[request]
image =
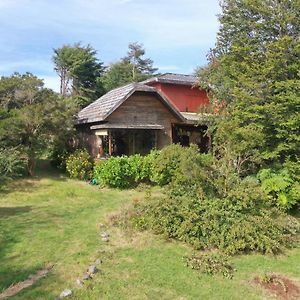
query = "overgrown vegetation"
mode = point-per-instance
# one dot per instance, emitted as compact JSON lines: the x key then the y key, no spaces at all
{"x":32,"y":119}
{"x":280,"y":187}
{"x":158,"y":168}
{"x":211,"y":264}
{"x":12,"y":164}
{"x":207,"y":204}
{"x":80,"y":165}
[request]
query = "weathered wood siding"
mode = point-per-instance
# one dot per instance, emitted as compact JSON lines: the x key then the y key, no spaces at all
{"x":88,"y":139}
{"x":146,"y":109}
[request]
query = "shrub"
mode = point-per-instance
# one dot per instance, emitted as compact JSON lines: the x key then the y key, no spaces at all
{"x":211,"y":264}
{"x":280,"y":187}
{"x":59,"y":158}
{"x":80,"y":165}
{"x":166,"y":162}
{"x":159,"y":167}
{"x":240,"y":220}
{"x":122,"y":172}
{"x":12,"y":163}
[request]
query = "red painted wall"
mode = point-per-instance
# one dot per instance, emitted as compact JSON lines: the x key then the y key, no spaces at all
{"x":184,"y":97}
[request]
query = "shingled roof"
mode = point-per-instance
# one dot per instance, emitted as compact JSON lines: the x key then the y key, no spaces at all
{"x":100,"y":109}
{"x":173,"y":79}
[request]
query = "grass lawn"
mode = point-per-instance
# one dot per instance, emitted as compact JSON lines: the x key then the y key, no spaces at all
{"x":52,"y":220}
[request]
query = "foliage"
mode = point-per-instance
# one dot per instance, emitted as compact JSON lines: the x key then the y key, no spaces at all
{"x":79,"y":71}
{"x":117,"y":74}
{"x":167,"y":162}
{"x":64,"y":138}
{"x":280,"y":186}
{"x":12,"y":163}
{"x":80,"y":165}
{"x":211,"y":264}
{"x":210,"y":206}
{"x":240,"y":222}
{"x":131,"y":68}
{"x":255,"y":69}
{"x":31,"y":117}
{"x":122,"y":172}
{"x":159,"y":167}
{"x":141,"y":67}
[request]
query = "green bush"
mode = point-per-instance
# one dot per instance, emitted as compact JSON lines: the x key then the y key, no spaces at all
{"x":211,"y":207}
{"x":12,"y":163}
{"x":167,"y":164}
{"x":240,"y":222}
{"x":59,"y":156}
{"x":159,"y":167}
{"x":80,"y":165}
{"x":122,"y":172}
{"x":280,"y":186}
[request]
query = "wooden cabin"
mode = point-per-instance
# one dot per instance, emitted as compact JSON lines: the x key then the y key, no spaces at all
{"x":139,"y":117}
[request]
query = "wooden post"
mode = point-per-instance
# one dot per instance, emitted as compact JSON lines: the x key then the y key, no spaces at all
{"x":155,"y":139}
{"x":109,"y":143}
{"x":101,"y":150}
{"x":133,"y":142}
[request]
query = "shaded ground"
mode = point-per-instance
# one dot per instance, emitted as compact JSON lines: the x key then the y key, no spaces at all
{"x":18,"y":287}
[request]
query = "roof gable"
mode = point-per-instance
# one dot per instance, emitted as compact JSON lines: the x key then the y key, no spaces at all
{"x":100,"y":109}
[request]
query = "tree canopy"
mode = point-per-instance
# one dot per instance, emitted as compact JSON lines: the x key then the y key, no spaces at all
{"x":31,"y":117}
{"x":254,"y":68}
{"x":79,"y":70}
{"x":131,"y":68}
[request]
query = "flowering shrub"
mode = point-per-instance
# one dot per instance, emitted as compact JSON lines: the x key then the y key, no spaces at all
{"x":80,"y":165}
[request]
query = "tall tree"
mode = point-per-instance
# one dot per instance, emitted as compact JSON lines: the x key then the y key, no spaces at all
{"x":255,"y":69}
{"x":141,"y":67}
{"x":131,"y":68}
{"x":79,"y":70}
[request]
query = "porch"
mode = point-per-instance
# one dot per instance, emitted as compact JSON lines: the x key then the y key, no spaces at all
{"x":113,"y":140}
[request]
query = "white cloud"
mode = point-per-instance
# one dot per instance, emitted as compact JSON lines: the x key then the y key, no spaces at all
{"x":174,"y":32}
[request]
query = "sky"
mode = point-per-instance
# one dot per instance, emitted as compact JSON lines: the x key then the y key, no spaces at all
{"x":176,"y":34}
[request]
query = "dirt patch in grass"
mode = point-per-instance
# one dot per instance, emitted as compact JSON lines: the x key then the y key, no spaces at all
{"x":279,"y":286}
{"x":16,"y":288}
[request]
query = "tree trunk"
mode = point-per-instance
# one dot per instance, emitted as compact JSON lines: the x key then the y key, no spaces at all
{"x":31,"y":165}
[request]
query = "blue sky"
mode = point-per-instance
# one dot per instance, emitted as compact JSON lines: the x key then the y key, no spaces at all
{"x":176,"y":34}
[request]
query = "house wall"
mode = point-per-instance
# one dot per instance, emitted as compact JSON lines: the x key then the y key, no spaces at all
{"x":87,"y":139}
{"x":184,"y":97}
{"x":146,"y":109}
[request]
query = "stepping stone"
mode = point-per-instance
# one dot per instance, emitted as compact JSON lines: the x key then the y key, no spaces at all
{"x":104,"y":234}
{"x":105,"y":239}
{"x":86,"y":277}
{"x":92,"y":269}
{"x":65,"y":293}
{"x":79,"y":282}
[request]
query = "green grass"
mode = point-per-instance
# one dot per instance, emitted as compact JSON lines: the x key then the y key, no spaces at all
{"x":54,"y":220}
